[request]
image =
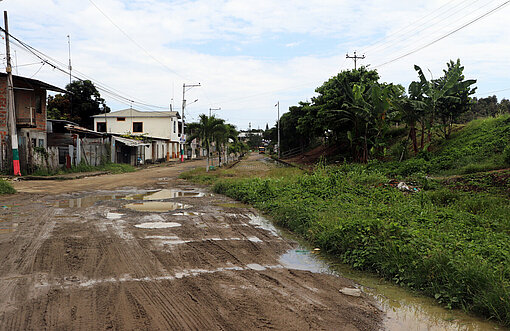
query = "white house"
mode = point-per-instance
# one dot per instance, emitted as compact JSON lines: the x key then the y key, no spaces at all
{"x":161,"y":127}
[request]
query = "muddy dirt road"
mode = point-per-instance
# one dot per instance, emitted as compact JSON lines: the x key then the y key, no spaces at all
{"x":147,"y":251}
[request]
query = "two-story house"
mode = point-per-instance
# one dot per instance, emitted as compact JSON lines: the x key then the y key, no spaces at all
{"x":160,"y":128}
{"x":30,"y":110}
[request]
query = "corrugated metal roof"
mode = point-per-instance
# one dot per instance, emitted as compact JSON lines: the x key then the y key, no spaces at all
{"x":131,"y":142}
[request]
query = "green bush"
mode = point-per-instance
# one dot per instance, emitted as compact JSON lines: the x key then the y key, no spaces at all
{"x":6,"y":187}
{"x":506,"y":155}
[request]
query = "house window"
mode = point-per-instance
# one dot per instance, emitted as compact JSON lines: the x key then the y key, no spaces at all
{"x":41,"y":142}
{"x":121,"y":119}
{"x":101,"y":126}
{"x":38,"y":104}
{"x":137,"y":126}
{"x":175,"y":123}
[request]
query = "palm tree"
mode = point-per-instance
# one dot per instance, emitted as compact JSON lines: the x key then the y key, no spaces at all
{"x":222,"y":137}
{"x":206,"y":129}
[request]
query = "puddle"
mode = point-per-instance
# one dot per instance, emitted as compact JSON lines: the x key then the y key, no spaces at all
{"x":263,"y":223}
{"x":157,"y":225}
{"x":256,"y":266}
{"x":156,"y":206}
{"x":113,"y":216}
{"x":165,"y":194}
{"x":86,"y":201}
{"x":404,"y":310}
{"x":254,"y":239}
{"x":188,"y":213}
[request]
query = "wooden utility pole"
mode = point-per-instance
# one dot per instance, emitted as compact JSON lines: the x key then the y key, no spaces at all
{"x":355,"y":57}
{"x":11,"y":111}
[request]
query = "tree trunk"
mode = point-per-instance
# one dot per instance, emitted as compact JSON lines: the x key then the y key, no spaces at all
{"x":412,"y":134}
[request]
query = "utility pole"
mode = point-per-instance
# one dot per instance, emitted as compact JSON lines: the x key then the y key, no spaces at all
{"x":11,"y":111}
{"x":70,"y":77}
{"x":278,"y":124}
{"x":183,"y":139}
{"x":355,"y":57}
{"x":213,"y":109}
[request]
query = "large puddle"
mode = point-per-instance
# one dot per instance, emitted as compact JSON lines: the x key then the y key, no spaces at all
{"x":404,"y":311}
{"x":87,"y":201}
{"x":163,"y":194}
{"x":156,"y":206}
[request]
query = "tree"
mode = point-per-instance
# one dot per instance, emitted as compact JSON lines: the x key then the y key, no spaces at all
{"x":78,"y":105}
{"x":205,"y":130}
{"x":445,"y":98}
{"x":223,"y":134}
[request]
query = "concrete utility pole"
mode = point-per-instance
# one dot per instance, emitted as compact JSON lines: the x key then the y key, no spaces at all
{"x":11,"y":111}
{"x":183,"y":139}
{"x":355,"y":57}
{"x":278,"y":124}
{"x":210,"y":109}
{"x":70,"y":76}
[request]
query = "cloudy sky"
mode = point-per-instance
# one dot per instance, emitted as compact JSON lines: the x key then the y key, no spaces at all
{"x":247,"y":55}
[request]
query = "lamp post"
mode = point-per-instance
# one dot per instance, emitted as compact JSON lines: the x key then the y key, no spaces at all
{"x":210,"y":109}
{"x":184,"y":89}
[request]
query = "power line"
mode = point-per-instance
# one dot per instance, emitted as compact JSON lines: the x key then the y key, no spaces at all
{"x":135,"y":42}
{"x":415,"y":28}
{"x":446,"y":35}
{"x":55,"y":64}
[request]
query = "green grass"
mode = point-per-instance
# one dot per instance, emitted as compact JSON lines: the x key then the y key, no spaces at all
{"x":450,"y":245}
{"x":115,"y":168}
{"x":479,"y":146}
{"x":6,"y":187}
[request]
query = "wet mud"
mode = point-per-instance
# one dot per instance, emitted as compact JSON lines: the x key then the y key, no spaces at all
{"x":82,"y":259}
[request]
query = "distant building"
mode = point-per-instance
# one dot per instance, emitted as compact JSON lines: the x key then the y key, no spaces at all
{"x":30,"y":107}
{"x":160,"y":130}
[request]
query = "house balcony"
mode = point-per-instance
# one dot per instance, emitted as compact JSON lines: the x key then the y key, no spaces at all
{"x":26,"y":122}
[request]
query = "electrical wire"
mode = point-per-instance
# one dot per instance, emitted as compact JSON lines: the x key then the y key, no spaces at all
{"x":135,"y":42}
{"x":55,"y":64}
{"x":446,"y":35}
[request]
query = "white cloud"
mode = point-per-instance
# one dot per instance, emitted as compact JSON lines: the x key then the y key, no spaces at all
{"x":192,"y":38}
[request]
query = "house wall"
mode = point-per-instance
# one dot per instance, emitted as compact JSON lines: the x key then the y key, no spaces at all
{"x":161,"y":127}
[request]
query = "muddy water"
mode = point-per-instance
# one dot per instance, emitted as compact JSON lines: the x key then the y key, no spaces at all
{"x":156,"y":206}
{"x":165,"y":194}
{"x":86,"y":201}
{"x":404,"y":310}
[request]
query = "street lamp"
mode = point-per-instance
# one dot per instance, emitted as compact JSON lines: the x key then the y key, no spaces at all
{"x":213,"y":109}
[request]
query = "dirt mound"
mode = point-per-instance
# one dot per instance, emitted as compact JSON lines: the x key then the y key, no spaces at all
{"x":314,"y":155}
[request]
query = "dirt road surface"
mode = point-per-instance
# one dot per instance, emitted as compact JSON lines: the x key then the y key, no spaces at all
{"x":147,"y":251}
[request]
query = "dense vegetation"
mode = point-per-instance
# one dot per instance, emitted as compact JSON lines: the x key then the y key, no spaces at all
{"x":355,"y":111}
{"x":6,"y":187}
{"x":448,"y":244}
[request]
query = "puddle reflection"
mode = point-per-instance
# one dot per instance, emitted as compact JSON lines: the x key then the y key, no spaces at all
{"x":156,"y":206}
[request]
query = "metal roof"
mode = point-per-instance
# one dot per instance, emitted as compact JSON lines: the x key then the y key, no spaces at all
{"x":130,"y":142}
{"x":31,"y":82}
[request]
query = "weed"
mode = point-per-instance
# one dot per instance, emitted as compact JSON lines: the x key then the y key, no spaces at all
{"x":6,"y":187}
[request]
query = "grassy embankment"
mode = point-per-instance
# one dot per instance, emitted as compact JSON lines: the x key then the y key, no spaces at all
{"x":446,"y":243}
